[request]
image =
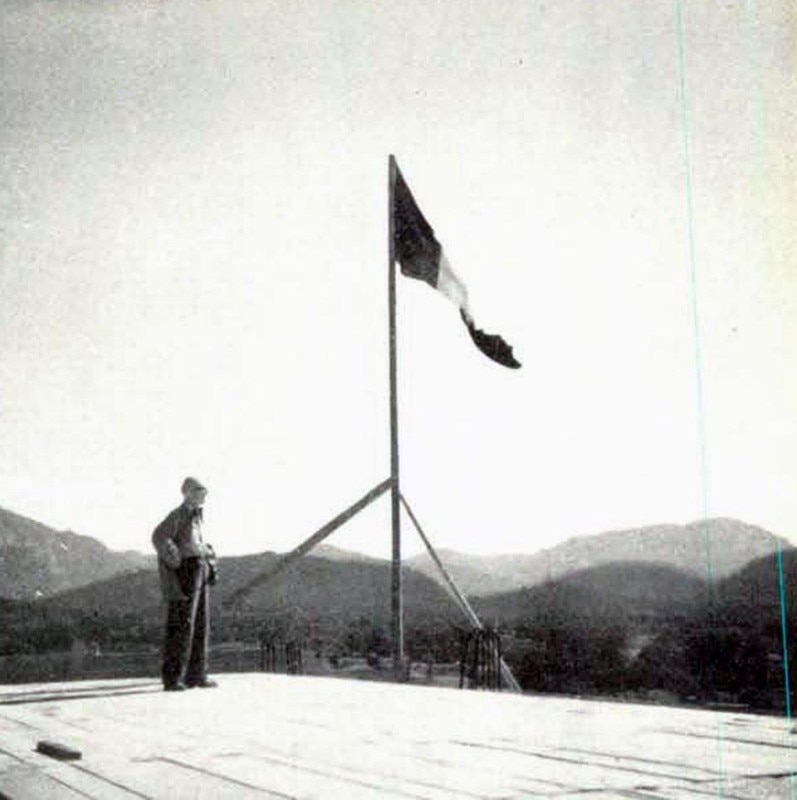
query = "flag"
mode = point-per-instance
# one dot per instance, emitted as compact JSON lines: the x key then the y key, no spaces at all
{"x":421,"y":256}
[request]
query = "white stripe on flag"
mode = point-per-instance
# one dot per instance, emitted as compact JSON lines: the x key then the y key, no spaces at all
{"x":451,"y":286}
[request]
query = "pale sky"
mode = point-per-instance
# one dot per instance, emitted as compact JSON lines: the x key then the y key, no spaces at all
{"x":193,"y":273}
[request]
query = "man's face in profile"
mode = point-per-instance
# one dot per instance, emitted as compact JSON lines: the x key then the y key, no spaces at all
{"x":195,"y":496}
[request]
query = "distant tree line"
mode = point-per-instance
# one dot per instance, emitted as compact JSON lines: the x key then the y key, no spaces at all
{"x":702,"y":659}
{"x":712,"y":653}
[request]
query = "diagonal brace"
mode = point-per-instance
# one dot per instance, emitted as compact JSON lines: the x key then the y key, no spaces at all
{"x":309,"y":543}
{"x":466,"y":607}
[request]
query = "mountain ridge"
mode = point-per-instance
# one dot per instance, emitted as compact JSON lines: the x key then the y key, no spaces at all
{"x":730,"y":543}
{"x":39,"y":561}
{"x":36,"y":560}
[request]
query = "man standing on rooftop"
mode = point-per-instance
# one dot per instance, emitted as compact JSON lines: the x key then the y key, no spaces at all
{"x":186,"y":566}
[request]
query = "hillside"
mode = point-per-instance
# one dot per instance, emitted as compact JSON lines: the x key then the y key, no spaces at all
{"x":312,"y":589}
{"x":761,"y":591}
{"x":735,"y":642}
{"x":724,"y":544}
{"x":38,"y":561}
{"x":623,"y":593}
{"x":332,"y":553}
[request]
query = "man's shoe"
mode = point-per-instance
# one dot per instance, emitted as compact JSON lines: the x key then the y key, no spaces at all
{"x":206,"y":684}
{"x":174,"y":687}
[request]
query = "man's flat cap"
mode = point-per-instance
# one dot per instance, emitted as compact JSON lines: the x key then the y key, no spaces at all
{"x":189,"y":484}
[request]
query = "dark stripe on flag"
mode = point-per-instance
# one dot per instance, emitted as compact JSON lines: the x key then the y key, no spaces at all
{"x":417,"y":250}
{"x":492,"y":346}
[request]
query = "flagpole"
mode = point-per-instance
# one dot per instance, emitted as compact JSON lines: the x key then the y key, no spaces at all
{"x":396,"y":599}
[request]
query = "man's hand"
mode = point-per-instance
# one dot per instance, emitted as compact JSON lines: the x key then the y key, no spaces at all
{"x":170,"y":555}
{"x":213,"y":566}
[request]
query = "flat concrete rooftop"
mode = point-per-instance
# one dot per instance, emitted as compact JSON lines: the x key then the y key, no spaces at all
{"x":279,"y":736}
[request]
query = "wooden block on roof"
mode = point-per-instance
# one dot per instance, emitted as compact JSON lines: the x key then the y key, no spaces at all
{"x":58,"y":750}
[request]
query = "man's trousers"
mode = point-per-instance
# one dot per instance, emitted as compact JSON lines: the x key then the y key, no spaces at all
{"x":185,"y":652}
